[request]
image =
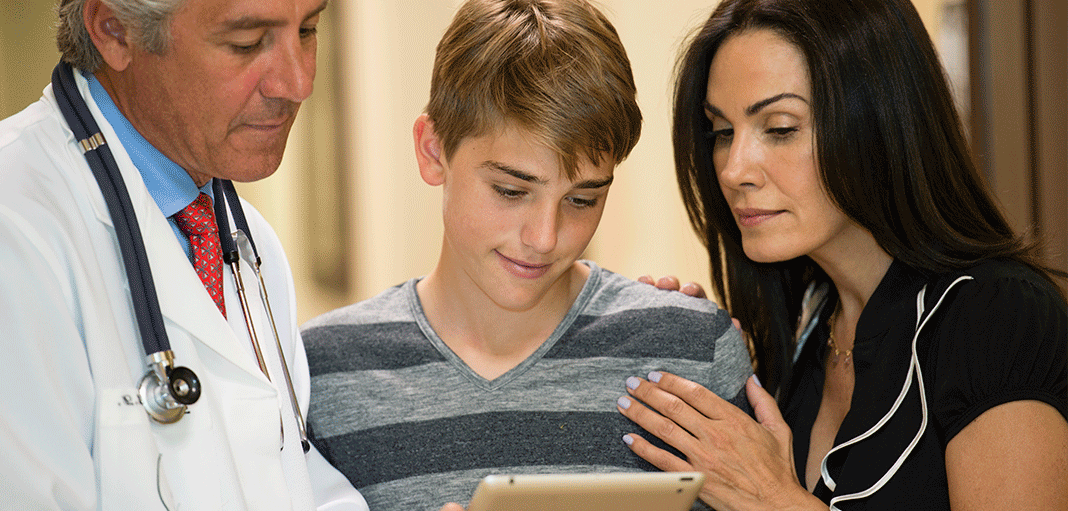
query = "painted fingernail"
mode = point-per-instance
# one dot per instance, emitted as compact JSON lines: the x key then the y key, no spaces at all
{"x":757,"y":380}
{"x":623,"y":403}
{"x":655,"y":376}
{"x":627,"y":439}
{"x":633,"y":382}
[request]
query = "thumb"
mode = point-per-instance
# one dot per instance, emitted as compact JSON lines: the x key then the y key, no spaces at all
{"x":764,"y":406}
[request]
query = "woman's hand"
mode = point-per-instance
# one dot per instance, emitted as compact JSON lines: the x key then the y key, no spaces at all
{"x":747,"y":464}
{"x":671,"y":283}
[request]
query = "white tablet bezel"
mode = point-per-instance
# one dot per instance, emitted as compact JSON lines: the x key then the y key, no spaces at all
{"x":632,"y":491}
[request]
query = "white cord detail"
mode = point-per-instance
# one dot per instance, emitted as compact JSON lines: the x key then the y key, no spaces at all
{"x":914,"y":365}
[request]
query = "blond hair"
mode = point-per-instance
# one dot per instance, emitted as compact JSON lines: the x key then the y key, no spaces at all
{"x":555,"y":68}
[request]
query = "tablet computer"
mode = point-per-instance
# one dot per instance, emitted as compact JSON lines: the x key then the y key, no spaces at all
{"x":622,"y":491}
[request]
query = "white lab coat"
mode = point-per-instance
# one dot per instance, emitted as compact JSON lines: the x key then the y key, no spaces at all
{"x":72,"y":433}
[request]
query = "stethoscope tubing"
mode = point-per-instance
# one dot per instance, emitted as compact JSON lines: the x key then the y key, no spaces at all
{"x":232,"y":257}
{"x":132,"y":246}
{"x":225,"y":192}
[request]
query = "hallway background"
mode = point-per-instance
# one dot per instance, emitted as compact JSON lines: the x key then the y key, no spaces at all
{"x":355,"y":218}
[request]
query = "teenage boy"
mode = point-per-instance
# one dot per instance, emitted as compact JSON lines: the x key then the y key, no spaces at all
{"x":508,"y":357}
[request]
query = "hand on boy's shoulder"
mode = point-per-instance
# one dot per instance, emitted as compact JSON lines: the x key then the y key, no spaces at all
{"x":671,"y":283}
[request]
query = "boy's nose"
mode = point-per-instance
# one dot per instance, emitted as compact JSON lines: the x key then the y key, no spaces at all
{"x":539,"y":232}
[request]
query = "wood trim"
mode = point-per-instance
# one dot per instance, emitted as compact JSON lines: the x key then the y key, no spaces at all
{"x":1049,"y":42}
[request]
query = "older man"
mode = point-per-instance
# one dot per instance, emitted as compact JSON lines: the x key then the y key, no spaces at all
{"x":186,"y":93}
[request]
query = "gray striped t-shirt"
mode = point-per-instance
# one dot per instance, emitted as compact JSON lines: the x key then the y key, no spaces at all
{"x":413,"y":427}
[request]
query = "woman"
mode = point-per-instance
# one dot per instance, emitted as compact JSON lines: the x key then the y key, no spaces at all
{"x":915,"y":344}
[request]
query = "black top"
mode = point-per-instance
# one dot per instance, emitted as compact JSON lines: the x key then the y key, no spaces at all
{"x":1000,"y":337}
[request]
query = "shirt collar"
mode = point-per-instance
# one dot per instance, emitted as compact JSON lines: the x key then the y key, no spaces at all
{"x":892,"y":301}
{"x":167,"y":182}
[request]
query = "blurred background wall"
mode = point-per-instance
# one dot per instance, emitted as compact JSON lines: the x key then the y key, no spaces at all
{"x":355,"y":218}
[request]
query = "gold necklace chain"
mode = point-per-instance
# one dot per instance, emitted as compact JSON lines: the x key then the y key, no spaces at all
{"x":833,"y":345}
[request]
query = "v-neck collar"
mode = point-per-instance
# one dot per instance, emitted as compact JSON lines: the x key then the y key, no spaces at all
{"x":580,"y":304}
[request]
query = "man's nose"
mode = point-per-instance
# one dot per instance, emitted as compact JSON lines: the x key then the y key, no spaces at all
{"x":291,"y":72}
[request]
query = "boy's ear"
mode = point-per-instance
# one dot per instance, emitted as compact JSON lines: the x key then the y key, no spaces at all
{"x":428,"y":151}
{"x":108,"y":34}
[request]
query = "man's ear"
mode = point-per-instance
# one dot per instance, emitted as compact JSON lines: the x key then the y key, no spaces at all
{"x":428,"y":151}
{"x":109,"y":35}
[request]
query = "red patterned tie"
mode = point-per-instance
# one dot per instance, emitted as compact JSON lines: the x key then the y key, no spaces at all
{"x":197,"y":221}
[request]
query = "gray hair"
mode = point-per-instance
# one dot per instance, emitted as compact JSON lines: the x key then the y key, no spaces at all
{"x":147,"y":23}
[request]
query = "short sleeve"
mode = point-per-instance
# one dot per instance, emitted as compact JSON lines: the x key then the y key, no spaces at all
{"x":1003,"y":338}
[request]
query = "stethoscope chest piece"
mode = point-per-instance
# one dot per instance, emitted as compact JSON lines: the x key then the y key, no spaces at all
{"x":166,"y":390}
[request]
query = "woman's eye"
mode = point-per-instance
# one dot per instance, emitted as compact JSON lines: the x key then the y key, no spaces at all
{"x":784,"y":132}
{"x":720,"y":137}
{"x":308,"y":32}
{"x":508,"y":193}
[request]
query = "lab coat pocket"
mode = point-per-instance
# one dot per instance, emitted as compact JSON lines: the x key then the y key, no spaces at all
{"x":129,"y":467}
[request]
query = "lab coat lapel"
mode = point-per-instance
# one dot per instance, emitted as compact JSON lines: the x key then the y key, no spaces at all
{"x":189,"y":306}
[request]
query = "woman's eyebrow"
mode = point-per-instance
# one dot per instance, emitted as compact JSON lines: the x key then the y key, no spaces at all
{"x":755,"y":108}
{"x":759,"y":105}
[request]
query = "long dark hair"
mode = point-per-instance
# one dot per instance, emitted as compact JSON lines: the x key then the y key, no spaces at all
{"x":890,"y":152}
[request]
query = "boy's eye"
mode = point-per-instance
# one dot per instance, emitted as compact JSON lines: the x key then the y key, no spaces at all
{"x":582,"y":203}
{"x":508,"y":193}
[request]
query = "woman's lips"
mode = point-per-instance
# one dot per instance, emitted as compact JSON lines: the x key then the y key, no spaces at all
{"x":523,"y":269}
{"x":750,"y":217}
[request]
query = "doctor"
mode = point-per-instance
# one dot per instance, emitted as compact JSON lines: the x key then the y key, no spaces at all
{"x":184,"y":92}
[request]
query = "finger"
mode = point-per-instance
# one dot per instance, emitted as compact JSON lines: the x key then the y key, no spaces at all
{"x":764,"y":407}
{"x":684,"y":401}
{"x":658,"y":425}
{"x":668,"y":282}
{"x":658,"y":457}
{"x":693,"y":289}
{"x":737,"y":324}
{"x":647,"y":279}
{"x":451,"y":506}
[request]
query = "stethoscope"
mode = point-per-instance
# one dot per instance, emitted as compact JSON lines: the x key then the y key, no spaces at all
{"x":166,"y":390}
